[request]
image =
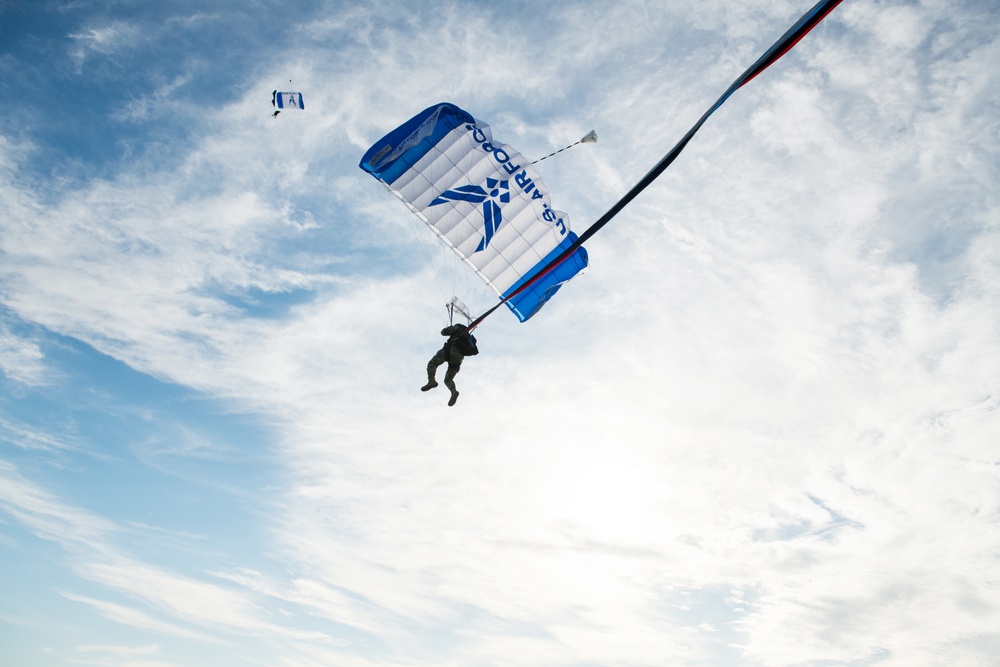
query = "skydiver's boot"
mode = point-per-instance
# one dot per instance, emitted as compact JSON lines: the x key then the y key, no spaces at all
{"x":454,"y":397}
{"x":431,"y":383}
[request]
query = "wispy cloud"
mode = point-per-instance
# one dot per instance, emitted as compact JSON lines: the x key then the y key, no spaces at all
{"x":156,"y":103}
{"x":22,"y":436}
{"x":103,"y":39}
{"x":21,"y":360}
{"x":48,"y":517}
{"x":135,"y":618}
{"x":90,"y":545}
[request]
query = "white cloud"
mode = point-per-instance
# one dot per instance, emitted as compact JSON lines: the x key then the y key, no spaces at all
{"x":196,"y":602}
{"x":159,"y":102}
{"x":136,"y":618}
{"x":90,"y":544}
{"x":121,"y":650}
{"x":21,"y":360}
{"x":27,"y":437}
{"x":105,"y":39}
{"x":46,"y":516}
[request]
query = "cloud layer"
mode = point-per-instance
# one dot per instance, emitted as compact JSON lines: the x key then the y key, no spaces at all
{"x":760,"y":431}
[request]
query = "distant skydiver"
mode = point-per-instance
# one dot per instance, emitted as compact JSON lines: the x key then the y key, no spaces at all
{"x":275,"y":114}
{"x":460,"y":344}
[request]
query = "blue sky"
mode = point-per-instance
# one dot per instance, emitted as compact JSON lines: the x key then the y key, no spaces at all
{"x":761,"y":431}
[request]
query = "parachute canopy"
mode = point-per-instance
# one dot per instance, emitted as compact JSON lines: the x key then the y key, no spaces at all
{"x":287,"y":100}
{"x":482,"y":198}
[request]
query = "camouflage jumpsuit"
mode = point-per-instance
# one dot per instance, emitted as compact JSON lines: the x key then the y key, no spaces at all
{"x":447,"y":354}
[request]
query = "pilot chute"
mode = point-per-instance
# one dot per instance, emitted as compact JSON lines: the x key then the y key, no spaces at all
{"x":481,"y":198}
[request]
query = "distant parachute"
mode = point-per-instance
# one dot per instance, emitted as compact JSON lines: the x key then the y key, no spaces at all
{"x":483,"y":199}
{"x":283,"y":100}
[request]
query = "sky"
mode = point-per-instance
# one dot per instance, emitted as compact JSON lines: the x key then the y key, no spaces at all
{"x":763,"y":430}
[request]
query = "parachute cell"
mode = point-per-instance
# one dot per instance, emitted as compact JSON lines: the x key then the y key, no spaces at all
{"x":483,"y":199}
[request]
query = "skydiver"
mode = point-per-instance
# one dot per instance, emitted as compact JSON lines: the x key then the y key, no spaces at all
{"x":460,"y":344}
{"x":275,"y":114}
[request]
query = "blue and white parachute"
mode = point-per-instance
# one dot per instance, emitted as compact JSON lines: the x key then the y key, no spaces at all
{"x":482,"y":198}
{"x":285,"y":100}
